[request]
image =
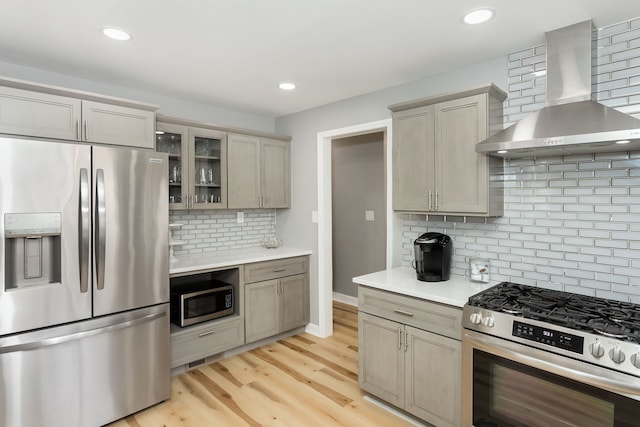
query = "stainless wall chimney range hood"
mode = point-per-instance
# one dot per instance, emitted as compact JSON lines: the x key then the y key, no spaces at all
{"x":571,"y":123}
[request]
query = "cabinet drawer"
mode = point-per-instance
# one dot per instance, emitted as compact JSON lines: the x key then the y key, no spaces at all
{"x":268,"y":270}
{"x":429,"y":316}
{"x":205,"y":340}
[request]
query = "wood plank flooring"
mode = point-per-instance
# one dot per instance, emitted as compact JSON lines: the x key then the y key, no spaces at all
{"x":302,"y":380}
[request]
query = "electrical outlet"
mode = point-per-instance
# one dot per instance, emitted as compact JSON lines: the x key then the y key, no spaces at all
{"x":240,"y":217}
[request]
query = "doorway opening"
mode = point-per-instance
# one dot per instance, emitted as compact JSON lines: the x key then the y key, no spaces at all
{"x":325,"y":226}
{"x":358,"y":215}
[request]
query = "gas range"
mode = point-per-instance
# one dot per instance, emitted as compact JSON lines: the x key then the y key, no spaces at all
{"x":595,"y":330}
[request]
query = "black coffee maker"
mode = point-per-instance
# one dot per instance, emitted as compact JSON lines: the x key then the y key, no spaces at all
{"x":433,"y":257}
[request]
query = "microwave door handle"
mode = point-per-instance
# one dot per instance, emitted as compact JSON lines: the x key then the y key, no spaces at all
{"x":84,"y":229}
{"x":100,"y":228}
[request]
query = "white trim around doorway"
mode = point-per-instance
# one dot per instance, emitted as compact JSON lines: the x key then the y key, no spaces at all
{"x":325,"y":250}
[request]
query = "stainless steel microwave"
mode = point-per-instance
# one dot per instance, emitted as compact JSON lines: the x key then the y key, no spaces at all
{"x":198,"y":302}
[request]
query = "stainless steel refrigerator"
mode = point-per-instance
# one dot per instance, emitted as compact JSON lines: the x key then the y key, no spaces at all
{"x":84,"y":283}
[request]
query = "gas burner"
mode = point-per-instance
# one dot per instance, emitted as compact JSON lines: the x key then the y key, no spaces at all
{"x":608,"y":329}
{"x":615,"y":314}
{"x":515,"y":310}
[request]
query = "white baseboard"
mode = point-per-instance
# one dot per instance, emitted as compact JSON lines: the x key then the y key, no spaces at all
{"x":394,"y":411}
{"x":313,"y":329}
{"x":345,"y":299}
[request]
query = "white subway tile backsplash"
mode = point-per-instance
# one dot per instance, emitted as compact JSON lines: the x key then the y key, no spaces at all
{"x":219,"y":231}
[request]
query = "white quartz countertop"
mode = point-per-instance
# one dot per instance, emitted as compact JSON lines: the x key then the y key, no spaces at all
{"x":214,"y":260}
{"x":402,"y":280}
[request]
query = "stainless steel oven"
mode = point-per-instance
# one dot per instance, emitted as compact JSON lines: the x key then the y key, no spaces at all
{"x":560,"y":367}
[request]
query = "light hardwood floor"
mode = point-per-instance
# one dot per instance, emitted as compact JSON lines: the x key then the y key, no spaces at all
{"x":298,"y":381}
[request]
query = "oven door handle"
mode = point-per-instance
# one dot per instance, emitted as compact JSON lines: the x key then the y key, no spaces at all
{"x":583,"y":372}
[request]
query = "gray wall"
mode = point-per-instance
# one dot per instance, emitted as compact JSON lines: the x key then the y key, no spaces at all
{"x":168,"y":105}
{"x":358,"y":185}
{"x":294,"y":225}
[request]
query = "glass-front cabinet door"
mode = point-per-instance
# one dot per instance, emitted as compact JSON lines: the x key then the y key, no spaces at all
{"x":197,"y":166}
{"x":208,"y":168}
{"x":173,"y":139}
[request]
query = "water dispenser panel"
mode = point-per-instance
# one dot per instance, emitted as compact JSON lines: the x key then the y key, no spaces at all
{"x":32,"y":249}
{"x":32,"y":224}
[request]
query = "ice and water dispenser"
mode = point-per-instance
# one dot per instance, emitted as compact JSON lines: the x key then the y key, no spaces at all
{"x":32,"y":249}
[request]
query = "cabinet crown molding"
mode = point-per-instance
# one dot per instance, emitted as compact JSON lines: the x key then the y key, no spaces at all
{"x":491,"y":89}
{"x":193,"y":123}
{"x":79,"y":94}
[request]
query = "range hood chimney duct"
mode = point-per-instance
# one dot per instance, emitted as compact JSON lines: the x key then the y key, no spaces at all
{"x":571,"y":123}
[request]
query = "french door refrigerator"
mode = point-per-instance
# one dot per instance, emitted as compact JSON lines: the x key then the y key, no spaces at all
{"x":84,"y":283}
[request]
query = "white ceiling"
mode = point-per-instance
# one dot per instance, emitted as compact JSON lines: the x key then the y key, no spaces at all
{"x":233,"y":53}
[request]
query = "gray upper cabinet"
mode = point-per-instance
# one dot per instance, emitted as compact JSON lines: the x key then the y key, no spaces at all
{"x":243,"y":176}
{"x":49,"y":114}
{"x":38,"y":114}
{"x":413,"y":160}
{"x":114,"y":124}
{"x":435,"y":166}
{"x":275,"y":173}
{"x":197,"y":166}
{"x":259,"y":172}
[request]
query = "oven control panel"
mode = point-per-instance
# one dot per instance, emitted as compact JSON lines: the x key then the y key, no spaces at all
{"x":548,"y":336}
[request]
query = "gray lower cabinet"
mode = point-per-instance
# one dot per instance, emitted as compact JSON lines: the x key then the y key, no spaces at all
{"x":51,"y":115}
{"x":410,"y":354}
{"x":276,"y":297}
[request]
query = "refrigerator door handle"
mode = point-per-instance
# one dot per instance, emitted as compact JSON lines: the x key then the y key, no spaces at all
{"x":74,"y":336}
{"x":85,"y":229}
{"x":100,"y":228}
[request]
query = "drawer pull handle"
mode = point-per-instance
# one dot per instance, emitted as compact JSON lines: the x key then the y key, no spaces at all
{"x":280,"y":271}
{"x":406,"y":313}
{"x":204,"y":334}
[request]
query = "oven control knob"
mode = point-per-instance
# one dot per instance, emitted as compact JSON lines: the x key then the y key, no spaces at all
{"x":488,"y":321}
{"x":616,"y":354}
{"x":596,"y":349}
{"x":476,"y":318}
{"x":635,"y":360}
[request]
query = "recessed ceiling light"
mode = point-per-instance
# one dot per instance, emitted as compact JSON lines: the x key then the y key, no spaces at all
{"x":624,"y":141}
{"x":501,"y":151}
{"x":287,"y":86}
{"x":116,"y":34}
{"x":478,"y":16}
